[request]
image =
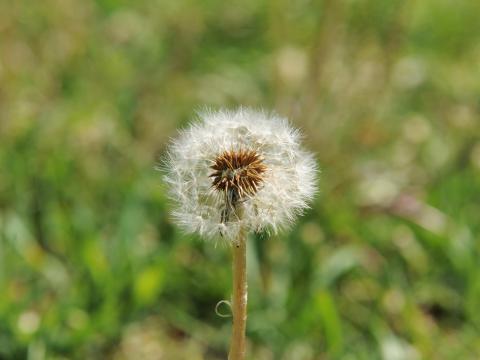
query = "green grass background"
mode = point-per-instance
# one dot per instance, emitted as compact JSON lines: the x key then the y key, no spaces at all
{"x":386,"y":264}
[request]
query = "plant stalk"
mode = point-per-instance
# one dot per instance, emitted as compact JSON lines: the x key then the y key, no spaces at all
{"x":239,"y":298}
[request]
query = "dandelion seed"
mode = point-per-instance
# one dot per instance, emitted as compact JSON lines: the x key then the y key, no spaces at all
{"x":244,"y":161}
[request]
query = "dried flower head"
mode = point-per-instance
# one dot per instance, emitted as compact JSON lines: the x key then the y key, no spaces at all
{"x":234,"y":169}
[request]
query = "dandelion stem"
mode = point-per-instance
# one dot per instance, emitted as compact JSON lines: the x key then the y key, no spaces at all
{"x":239,"y":299}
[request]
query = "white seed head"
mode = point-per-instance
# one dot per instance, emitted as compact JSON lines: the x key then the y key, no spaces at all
{"x":234,"y":169}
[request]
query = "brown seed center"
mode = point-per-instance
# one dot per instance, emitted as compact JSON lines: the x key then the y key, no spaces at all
{"x":238,"y":174}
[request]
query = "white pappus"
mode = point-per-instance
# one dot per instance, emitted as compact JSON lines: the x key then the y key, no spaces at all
{"x":238,"y":169}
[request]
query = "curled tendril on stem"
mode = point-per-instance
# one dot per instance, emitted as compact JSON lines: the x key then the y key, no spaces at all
{"x":217,"y":311}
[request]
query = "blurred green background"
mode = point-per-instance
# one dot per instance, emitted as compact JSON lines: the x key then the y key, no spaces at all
{"x":386,"y":264}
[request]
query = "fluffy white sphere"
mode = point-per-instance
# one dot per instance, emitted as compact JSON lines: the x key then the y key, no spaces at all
{"x":288,"y":174}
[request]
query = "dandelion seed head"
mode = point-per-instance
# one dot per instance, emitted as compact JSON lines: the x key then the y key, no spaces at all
{"x":234,"y":169}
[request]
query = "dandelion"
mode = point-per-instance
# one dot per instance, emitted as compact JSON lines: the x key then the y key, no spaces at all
{"x":234,"y":172}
